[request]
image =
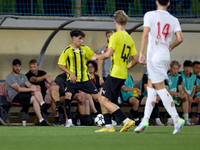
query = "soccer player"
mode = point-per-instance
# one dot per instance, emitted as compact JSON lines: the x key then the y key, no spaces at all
{"x":158,"y":29}
{"x":176,"y":90}
{"x":120,"y":46}
{"x":73,"y":62}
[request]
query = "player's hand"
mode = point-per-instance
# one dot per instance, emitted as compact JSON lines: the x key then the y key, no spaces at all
{"x":142,"y":59}
{"x":73,"y":78}
{"x":94,"y":57}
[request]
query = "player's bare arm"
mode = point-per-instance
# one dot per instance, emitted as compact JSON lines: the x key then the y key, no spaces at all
{"x":72,"y":76}
{"x":133,"y":62}
{"x":105,"y":55}
{"x":144,"y":42}
{"x":179,"y":39}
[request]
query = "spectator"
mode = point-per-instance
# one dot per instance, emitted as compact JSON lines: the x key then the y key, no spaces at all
{"x":189,"y":84}
{"x":127,"y":96}
{"x":50,"y":95}
{"x":105,"y":64}
{"x":196,"y":71}
{"x":20,"y":90}
{"x":143,"y":98}
{"x":176,"y":90}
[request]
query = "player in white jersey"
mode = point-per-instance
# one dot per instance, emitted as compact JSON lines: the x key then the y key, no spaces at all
{"x":158,"y":29}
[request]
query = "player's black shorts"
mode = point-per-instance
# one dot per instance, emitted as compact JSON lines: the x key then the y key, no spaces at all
{"x":111,"y":88}
{"x":23,"y":98}
{"x":87,"y":87}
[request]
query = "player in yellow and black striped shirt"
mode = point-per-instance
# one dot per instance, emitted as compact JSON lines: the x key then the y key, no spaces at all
{"x":73,"y":62}
{"x":120,"y":47}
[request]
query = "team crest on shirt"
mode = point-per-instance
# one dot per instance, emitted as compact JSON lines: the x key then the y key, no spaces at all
{"x":157,"y":42}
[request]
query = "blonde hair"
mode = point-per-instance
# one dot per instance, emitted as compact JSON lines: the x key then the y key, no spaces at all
{"x":175,"y":62}
{"x":120,"y":17}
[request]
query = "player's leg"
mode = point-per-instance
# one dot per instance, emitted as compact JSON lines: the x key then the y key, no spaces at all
{"x":107,"y":116}
{"x":150,"y":103}
{"x":169,"y":105}
{"x":67,"y":105}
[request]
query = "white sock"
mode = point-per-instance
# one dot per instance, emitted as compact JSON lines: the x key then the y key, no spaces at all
{"x":42,"y":103}
{"x":150,"y":103}
{"x":109,"y":126}
{"x":127,"y":119}
{"x":41,"y":120}
{"x":168,"y":104}
{"x":69,"y":120}
{"x":157,"y":119}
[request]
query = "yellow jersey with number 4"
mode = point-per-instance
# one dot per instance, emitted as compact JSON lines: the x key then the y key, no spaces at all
{"x":123,"y":45}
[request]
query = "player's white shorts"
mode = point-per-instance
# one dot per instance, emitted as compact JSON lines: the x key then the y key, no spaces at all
{"x":157,"y":70}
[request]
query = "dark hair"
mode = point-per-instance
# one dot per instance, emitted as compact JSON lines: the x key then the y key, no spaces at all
{"x":77,"y":33}
{"x":94,"y":64}
{"x":33,"y":61}
{"x":109,"y":31}
{"x":187,"y":63}
{"x":195,"y":63}
{"x":163,"y":2}
{"x":16,"y":61}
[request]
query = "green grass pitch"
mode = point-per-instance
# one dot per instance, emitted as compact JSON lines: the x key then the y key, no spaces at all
{"x":84,"y":138}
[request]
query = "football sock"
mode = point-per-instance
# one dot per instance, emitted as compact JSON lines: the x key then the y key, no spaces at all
{"x":119,"y":114}
{"x":41,"y":120}
{"x":127,"y":119}
{"x":42,"y":103}
{"x":185,"y":116}
{"x":68,"y":108}
{"x":168,"y":104}
{"x":151,"y":100}
{"x":107,"y":118}
{"x":134,"y":113}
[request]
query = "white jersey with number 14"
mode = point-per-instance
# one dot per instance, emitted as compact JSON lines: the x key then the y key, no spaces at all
{"x":162,"y":27}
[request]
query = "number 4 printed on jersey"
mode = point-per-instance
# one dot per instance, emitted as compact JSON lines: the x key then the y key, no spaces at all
{"x":165,"y":31}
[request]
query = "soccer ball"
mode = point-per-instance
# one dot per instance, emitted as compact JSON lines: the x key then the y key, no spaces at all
{"x":99,"y":120}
